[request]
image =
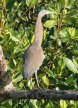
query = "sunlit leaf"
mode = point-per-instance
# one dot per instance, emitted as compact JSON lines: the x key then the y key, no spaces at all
{"x":31,"y":3}
{"x":63,"y":104}
{"x":19,"y":78}
{"x":71,"y":66}
{"x":45,"y":80}
{"x":50,"y":23}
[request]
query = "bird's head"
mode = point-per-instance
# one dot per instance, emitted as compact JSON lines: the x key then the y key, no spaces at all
{"x":44,"y":12}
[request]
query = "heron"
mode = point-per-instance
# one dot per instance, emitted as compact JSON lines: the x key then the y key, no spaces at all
{"x":34,"y":55}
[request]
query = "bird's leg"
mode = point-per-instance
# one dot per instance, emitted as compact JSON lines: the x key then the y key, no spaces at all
{"x":36,"y":78}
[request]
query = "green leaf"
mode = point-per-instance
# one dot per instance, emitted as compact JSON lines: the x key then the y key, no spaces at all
{"x":49,"y":23}
{"x":75,"y":63}
{"x":30,"y":83}
{"x":16,"y":4}
{"x":49,"y":72}
{"x":72,"y":32}
{"x":70,"y":65}
{"x":63,"y":104}
{"x":70,"y":80}
{"x":68,"y":20}
{"x":16,"y":49}
{"x":19,"y":78}
{"x":69,"y":3}
{"x":14,"y":39}
{"x":14,"y":61}
{"x":31,"y":3}
{"x":11,"y":36}
{"x":45,"y":80}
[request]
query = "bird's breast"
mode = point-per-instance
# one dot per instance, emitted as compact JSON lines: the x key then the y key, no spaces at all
{"x":33,"y":60}
{"x":36,"y":58}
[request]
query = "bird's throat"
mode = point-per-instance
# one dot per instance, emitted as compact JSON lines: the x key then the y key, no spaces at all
{"x":38,"y":31}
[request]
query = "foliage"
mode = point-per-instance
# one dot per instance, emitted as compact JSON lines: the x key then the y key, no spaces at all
{"x":60,"y":44}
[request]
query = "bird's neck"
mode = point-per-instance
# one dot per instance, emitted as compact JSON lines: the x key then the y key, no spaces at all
{"x":38,"y":31}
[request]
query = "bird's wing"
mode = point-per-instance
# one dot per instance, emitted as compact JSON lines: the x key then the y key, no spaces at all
{"x":26,"y":55}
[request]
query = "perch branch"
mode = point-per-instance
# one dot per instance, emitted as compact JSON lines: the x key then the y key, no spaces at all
{"x":39,"y":94}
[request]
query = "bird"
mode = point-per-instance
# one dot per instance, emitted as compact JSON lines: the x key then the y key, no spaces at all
{"x":34,"y":55}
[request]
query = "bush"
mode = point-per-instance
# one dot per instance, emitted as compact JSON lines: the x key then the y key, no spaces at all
{"x":60,"y":44}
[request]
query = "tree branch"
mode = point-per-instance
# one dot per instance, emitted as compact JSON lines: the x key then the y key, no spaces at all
{"x":39,"y":94}
{"x":4,"y":80}
{"x":4,"y":74}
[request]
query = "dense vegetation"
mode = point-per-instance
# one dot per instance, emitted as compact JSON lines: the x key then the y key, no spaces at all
{"x":60,"y":44}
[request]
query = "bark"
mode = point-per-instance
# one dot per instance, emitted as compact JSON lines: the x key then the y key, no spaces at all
{"x":4,"y":74}
{"x":39,"y":94}
{"x":4,"y":80}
